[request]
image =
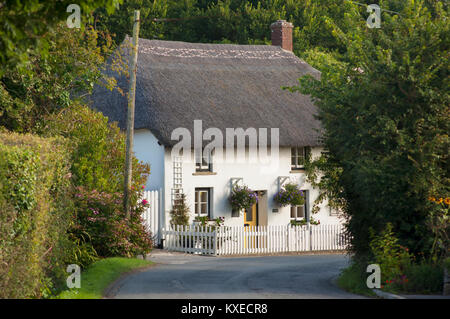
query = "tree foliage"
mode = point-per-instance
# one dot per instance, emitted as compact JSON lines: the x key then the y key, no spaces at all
{"x":385,"y":110}
{"x":51,"y":83}
{"x":230,"y":21}
{"x":25,"y":24}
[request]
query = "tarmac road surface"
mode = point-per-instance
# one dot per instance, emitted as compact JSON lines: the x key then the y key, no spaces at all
{"x":186,"y":276}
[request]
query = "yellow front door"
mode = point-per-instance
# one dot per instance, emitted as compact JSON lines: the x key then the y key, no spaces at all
{"x":250,"y":216}
{"x":250,"y":220}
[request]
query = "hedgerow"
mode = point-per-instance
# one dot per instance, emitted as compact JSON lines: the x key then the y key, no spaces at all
{"x":35,"y":214}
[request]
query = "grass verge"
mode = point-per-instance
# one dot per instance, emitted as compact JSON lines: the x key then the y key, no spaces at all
{"x":422,"y":278}
{"x":352,"y":280}
{"x":98,"y":276}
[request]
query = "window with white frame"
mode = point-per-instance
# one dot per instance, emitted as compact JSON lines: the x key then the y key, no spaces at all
{"x":203,"y":161}
{"x":297,"y":212}
{"x":202,"y":202}
{"x":300,"y":212}
{"x":299,"y":156}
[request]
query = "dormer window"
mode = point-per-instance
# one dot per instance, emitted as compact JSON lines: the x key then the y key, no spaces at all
{"x":299,"y":156}
{"x":203,"y":161}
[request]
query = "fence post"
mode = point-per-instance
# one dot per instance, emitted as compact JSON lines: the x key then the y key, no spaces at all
{"x":309,"y":236}
{"x":215,"y":240}
{"x":287,"y":238}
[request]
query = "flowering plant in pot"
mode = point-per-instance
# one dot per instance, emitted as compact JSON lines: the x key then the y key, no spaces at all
{"x":206,"y":221}
{"x":290,"y":194}
{"x":242,"y":197}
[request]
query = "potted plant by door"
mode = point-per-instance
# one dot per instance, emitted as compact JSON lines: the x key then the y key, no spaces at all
{"x":242,"y":198}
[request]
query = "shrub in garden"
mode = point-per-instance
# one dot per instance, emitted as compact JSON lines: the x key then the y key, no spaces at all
{"x":401,"y":272}
{"x":98,"y":149}
{"x":399,"y":269}
{"x":35,"y":215}
{"x":97,"y":166}
{"x":101,"y":216}
{"x":179,"y":215}
{"x":423,"y":278}
{"x":393,"y":258}
{"x":439,"y":224}
{"x":206,"y":221}
{"x":242,"y":197}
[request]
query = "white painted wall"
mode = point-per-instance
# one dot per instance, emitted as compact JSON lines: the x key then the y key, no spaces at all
{"x":147,"y":149}
{"x":252,"y":177}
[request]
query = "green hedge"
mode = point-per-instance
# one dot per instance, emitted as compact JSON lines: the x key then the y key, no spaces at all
{"x":35,"y":214}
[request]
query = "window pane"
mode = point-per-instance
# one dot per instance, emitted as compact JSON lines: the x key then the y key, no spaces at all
{"x":293,"y":151}
{"x":292,"y":160}
{"x":307,"y":151}
{"x":301,"y":211}
{"x":293,"y":209}
{"x":203,"y":197}
{"x":204,"y":209}
{"x":248,"y":215}
{"x":196,"y":208}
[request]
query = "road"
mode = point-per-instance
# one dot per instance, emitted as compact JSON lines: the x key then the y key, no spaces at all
{"x":201,"y":277}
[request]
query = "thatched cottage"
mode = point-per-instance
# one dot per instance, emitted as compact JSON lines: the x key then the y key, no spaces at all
{"x":219,"y":87}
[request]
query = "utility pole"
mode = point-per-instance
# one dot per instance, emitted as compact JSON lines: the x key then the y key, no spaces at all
{"x":130,"y":114}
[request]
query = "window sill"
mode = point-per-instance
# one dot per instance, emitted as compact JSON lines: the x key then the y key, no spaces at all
{"x":297,"y":171}
{"x":204,"y":173}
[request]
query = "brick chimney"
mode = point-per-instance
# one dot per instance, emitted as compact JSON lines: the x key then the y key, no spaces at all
{"x":282,"y":34}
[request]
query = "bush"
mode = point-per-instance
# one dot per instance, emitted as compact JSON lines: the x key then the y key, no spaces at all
{"x":439,"y":224}
{"x":423,"y":278}
{"x":393,"y":258}
{"x":354,"y":279}
{"x":97,"y":166}
{"x":385,"y":133}
{"x":447,"y":264}
{"x":35,"y":214}
{"x":179,"y":215}
{"x":98,"y":149}
{"x":399,"y":270}
{"x":101,"y":216}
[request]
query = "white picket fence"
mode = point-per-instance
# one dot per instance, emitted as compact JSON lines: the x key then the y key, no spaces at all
{"x":242,"y":240}
{"x":151,"y":215}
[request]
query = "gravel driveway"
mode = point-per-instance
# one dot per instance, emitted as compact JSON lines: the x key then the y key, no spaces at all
{"x":198,"y":277}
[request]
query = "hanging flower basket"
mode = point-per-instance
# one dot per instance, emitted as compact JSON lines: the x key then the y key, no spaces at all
{"x":290,"y":195}
{"x":242,"y":198}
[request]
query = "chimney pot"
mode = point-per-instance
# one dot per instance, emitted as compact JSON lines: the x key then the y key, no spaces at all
{"x":282,"y":34}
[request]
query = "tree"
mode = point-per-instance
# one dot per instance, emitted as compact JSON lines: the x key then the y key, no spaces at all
{"x":51,"y":83}
{"x":120,"y":22}
{"x":385,"y":111}
{"x":231,"y":21}
{"x":24,"y":24}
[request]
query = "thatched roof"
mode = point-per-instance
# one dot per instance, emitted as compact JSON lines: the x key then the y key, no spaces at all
{"x":224,"y":85}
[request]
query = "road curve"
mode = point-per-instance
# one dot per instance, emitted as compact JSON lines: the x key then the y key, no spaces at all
{"x":198,"y":277}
